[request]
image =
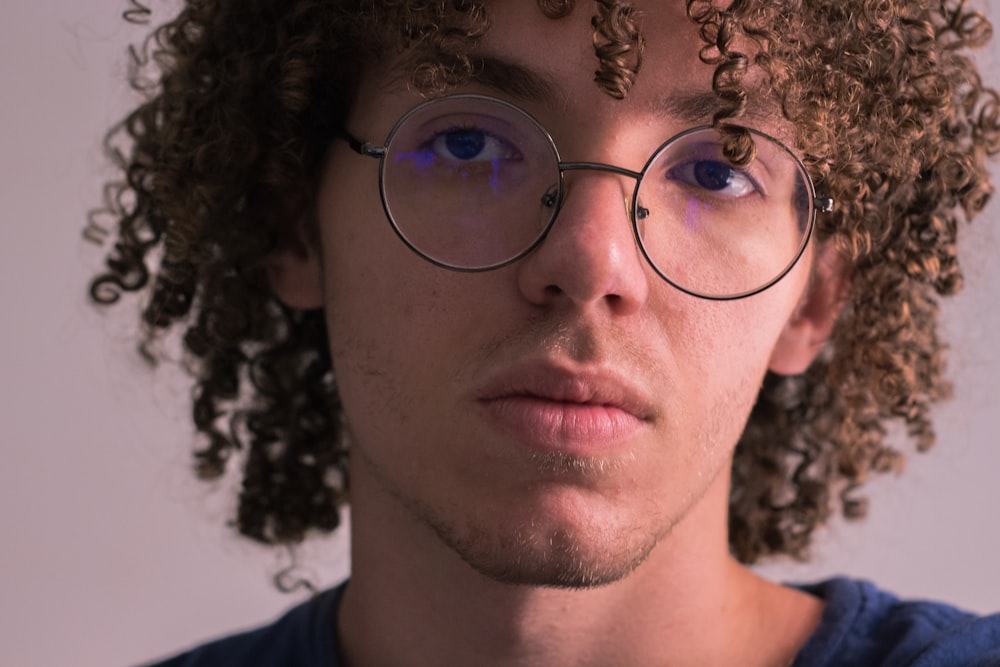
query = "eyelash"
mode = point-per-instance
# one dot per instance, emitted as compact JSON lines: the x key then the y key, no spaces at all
{"x":694,"y":162}
{"x":509,"y":150}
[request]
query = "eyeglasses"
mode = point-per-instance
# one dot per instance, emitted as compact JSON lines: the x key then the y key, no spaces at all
{"x":473,"y":183}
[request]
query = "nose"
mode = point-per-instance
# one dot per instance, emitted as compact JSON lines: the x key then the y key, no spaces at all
{"x":589,"y":257}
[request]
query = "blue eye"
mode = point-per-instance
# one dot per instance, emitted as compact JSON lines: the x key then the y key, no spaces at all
{"x":465,"y":144}
{"x":713,"y":176}
{"x":471,"y":145}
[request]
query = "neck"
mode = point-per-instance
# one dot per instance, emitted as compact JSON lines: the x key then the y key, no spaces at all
{"x":411,"y":600}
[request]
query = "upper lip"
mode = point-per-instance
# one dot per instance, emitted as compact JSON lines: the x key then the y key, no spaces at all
{"x":556,"y":382}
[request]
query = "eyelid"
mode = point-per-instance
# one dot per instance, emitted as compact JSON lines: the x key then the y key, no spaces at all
{"x":692,"y":155}
{"x":467,"y":120}
{"x":754,"y":186}
{"x":511,"y":151}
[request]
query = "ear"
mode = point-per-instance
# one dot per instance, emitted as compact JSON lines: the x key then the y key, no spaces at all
{"x":812,"y":322}
{"x":295,"y":266}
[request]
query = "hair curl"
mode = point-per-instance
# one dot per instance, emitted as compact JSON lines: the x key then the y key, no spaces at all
{"x":242,"y":98}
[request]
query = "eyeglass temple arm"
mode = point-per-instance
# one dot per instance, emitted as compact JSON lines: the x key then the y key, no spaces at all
{"x":362,"y":147}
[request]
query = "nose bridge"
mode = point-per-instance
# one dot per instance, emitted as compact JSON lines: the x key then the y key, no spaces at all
{"x":592,"y":169}
{"x":590,"y":253}
{"x":599,"y":166}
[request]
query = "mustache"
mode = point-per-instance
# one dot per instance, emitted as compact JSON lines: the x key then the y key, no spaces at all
{"x":575,"y":338}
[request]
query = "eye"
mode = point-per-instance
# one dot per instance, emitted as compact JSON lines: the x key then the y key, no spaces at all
{"x":714,"y":176}
{"x":471,"y":144}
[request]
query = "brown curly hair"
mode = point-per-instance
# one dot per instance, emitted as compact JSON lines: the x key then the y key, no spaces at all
{"x":242,"y":97}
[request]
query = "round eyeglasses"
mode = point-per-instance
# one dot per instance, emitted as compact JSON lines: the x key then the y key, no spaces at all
{"x":472,"y":183}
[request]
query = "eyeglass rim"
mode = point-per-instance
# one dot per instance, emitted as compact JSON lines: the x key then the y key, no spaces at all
{"x":815,"y":203}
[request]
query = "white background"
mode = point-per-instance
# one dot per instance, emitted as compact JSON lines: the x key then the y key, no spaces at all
{"x":112,"y":554}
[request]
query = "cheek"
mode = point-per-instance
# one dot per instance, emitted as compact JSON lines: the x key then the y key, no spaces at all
{"x":709,"y":341}
{"x":392,"y":318}
{"x":365,"y":264}
{"x":360,"y":299}
{"x":721,"y":351}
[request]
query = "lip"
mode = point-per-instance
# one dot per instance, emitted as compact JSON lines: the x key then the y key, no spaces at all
{"x":553,"y":408}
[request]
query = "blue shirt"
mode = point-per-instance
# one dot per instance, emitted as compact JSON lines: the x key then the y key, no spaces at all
{"x":862,"y":626}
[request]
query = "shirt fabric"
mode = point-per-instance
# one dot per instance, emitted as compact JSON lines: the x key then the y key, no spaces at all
{"x":862,"y":626}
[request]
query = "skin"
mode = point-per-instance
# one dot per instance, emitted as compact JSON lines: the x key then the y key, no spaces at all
{"x":499,"y":516}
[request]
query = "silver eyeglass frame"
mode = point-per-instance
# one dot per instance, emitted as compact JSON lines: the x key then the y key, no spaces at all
{"x":817,"y":203}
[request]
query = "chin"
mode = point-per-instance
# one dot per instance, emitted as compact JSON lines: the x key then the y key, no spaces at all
{"x":553,"y":556}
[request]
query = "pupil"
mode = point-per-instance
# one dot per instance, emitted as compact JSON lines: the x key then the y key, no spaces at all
{"x":712,"y":175}
{"x":465,"y":144}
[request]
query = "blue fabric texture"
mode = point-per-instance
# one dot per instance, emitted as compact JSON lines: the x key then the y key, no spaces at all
{"x":862,"y":626}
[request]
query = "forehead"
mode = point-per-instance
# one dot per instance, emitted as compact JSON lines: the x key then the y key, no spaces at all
{"x":519,"y":27}
{"x":528,"y":56}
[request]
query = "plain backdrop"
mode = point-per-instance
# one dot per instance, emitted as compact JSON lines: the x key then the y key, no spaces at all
{"x":112,"y":553}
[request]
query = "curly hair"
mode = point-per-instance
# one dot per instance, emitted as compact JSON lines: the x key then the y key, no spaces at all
{"x":241,"y":99}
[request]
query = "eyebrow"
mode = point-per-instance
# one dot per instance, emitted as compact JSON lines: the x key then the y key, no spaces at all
{"x":700,"y":106}
{"x":514,"y":79}
{"x":689,"y":107}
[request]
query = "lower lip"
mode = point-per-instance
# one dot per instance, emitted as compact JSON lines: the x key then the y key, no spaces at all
{"x":580,"y":429}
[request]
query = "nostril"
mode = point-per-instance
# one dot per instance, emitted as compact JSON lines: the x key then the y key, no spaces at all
{"x":553,"y":290}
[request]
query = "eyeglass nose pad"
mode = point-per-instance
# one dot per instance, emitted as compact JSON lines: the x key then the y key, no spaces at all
{"x":551,"y":197}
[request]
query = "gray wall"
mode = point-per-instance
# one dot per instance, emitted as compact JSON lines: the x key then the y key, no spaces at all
{"x":113,"y":554}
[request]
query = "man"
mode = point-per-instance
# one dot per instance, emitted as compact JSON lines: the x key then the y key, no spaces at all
{"x":582,"y":343}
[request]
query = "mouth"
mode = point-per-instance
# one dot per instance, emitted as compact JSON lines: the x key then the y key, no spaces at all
{"x":553,"y":409}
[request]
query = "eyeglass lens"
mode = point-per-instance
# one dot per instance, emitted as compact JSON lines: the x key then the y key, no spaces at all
{"x":472,"y":183}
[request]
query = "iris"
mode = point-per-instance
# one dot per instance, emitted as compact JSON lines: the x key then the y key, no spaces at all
{"x":712,"y":175}
{"x":465,"y":144}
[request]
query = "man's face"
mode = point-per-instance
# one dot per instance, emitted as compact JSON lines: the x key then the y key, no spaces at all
{"x":550,"y":421}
